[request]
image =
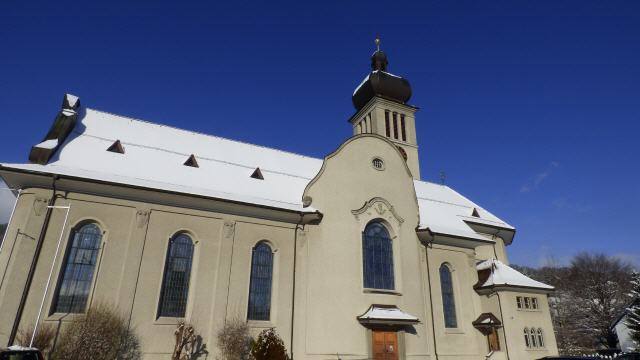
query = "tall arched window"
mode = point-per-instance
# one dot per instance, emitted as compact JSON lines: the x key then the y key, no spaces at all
{"x":377,"y":250}
{"x":79,"y":267}
{"x":540,"y":338}
{"x":177,"y":271}
{"x":448,"y":299}
{"x":260,"y":284}
{"x":527,"y":343}
{"x":532,"y":338}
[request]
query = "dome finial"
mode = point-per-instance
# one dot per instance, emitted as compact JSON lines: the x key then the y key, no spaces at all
{"x":378,"y":59}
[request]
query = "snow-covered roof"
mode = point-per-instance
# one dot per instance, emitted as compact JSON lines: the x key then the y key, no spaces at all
{"x":445,"y":211}
{"x":499,"y":274}
{"x":21,"y":348}
{"x":154,"y":157}
{"x":389,"y":314}
{"x":48,"y":144}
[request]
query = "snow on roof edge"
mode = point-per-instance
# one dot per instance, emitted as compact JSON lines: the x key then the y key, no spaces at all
{"x":122,"y":180}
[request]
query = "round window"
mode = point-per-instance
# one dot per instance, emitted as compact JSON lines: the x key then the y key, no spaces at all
{"x":377,"y":163}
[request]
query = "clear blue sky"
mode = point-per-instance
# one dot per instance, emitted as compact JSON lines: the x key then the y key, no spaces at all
{"x":532,"y":108}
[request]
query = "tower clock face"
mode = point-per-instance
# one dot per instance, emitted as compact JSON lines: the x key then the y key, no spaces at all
{"x":404,"y":153}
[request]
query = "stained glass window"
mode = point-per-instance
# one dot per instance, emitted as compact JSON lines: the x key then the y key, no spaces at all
{"x":79,"y":268}
{"x":377,"y":257}
{"x":260,"y":285}
{"x":448,"y":299}
{"x":177,"y":272}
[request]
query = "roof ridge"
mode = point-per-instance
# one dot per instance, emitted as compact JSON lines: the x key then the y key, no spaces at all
{"x":203,"y":134}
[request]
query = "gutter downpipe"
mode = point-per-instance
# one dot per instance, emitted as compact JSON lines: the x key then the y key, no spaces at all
{"x":433,"y":325}
{"x":504,"y":327}
{"x":293,"y":292}
{"x":53,"y":264}
{"x":34,"y":262}
{"x":6,"y":231}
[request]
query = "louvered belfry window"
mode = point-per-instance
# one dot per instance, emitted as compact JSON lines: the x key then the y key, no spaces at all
{"x":175,"y":284}
{"x":377,"y":250}
{"x":448,"y":299}
{"x":79,"y":268}
{"x":260,"y":283}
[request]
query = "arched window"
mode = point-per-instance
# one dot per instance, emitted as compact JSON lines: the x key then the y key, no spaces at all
{"x":540,"y":338}
{"x":377,"y":251}
{"x":526,"y":338}
{"x":532,"y":338}
{"x":177,"y":271}
{"x":448,"y":298}
{"x":78,"y":270}
{"x":260,"y":285}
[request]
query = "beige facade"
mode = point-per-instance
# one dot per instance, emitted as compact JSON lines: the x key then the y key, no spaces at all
{"x":318,"y":293}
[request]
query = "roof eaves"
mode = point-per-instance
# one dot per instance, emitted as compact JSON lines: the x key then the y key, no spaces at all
{"x":500,"y":287}
{"x":310,"y":211}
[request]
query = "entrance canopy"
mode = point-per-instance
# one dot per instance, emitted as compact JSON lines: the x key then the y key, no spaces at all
{"x":387,"y":315}
{"x":486,"y":322}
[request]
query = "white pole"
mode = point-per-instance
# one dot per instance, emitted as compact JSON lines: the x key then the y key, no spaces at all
{"x":6,"y":231}
{"x":55,"y":256}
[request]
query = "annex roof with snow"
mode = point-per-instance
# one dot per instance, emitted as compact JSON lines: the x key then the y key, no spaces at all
{"x":93,"y":145}
{"x":495,"y":275}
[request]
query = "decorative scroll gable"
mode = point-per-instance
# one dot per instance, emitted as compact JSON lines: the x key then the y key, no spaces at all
{"x":379,"y":206}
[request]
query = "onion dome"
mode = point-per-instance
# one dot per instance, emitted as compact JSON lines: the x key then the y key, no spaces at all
{"x":381,"y":83}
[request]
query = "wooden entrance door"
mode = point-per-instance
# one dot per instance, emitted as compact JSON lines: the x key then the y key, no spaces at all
{"x":385,"y":345}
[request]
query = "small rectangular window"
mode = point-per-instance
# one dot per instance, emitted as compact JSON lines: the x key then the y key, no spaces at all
{"x":519,"y":302}
{"x":527,"y":303}
{"x":386,"y":123}
{"x":404,"y":132}
{"x":534,"y":303}
{"x":395,"y":125}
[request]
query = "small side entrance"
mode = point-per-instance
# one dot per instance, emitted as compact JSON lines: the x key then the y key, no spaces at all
{"x":385,"y":345}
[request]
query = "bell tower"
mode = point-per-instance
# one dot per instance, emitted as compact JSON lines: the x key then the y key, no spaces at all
{"x":381,"y":108}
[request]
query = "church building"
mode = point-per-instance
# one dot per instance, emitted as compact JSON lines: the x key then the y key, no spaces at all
{"x":351,"y":256}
